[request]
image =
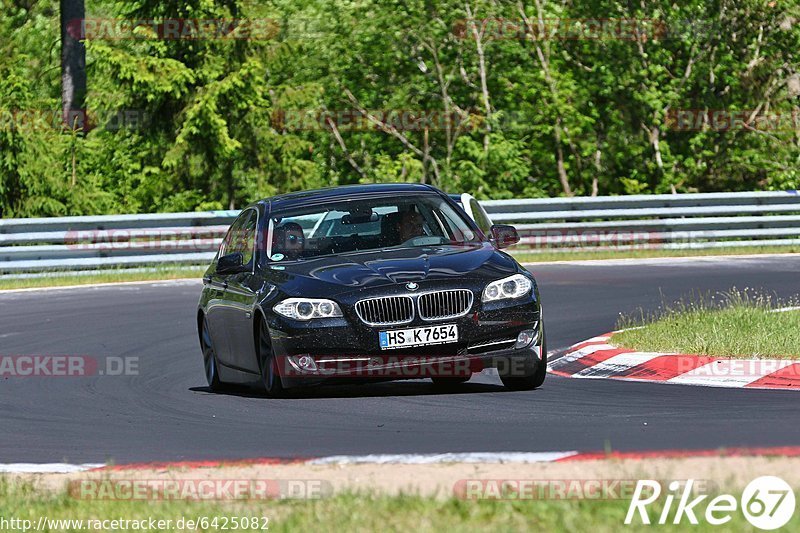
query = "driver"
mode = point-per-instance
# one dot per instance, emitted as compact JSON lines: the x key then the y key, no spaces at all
{"x":411,"y":225}
{"x":290,"y":240}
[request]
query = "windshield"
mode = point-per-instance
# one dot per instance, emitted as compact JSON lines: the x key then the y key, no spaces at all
{"x":367,"y":224}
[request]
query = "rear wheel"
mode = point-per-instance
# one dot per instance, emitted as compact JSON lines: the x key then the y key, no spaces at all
{"x":535,"y":379}
{"x":270,"y":377}
{"x":210,"y":359}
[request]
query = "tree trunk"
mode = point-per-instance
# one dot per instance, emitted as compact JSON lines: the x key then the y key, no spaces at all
{"x":73,"y":65}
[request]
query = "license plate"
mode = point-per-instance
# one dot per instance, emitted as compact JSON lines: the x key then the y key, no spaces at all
{"x":405,"y":338}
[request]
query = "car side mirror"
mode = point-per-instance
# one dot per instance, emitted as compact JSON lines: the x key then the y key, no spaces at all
{"x":231,"y":263}
{"x":504,"y":236}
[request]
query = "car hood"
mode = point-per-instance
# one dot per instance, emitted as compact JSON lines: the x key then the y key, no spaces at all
{"x":395,"y":265}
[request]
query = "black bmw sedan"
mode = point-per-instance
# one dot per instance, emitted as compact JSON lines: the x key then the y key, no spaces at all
{"x":372,"y":282}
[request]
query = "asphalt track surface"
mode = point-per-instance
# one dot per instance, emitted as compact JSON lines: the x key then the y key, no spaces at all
{"x":166,"y":412}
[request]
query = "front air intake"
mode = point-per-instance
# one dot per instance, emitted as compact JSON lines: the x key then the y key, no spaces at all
{"x":441,"y":305}
{"x":387,"y":311}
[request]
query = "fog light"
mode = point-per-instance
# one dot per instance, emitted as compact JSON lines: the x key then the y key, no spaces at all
{"x":306,"y":362}
{"x":525,"y":338}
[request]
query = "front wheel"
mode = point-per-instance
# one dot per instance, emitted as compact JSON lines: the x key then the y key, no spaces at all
{"x":210,"y":359}
{"x":270,"y":376}
{"x":535,"y":379}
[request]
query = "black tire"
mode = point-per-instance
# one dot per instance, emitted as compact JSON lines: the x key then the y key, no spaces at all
{"x":210,"y":359}
{"x":270,"y":376}
{"x":449,"y":382}
{"x":535,"y":379}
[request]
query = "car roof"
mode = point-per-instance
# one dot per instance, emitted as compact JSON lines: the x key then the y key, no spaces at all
{"x":320,"y":196}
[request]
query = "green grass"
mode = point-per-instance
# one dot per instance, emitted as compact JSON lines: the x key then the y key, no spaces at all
{"x":739,"y":324}
{"x":354,"y":512}
{"x":111,"y":276}
{"x":588,"y":253}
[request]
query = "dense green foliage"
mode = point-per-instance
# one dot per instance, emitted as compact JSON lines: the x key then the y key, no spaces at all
{"x":212,"y":123}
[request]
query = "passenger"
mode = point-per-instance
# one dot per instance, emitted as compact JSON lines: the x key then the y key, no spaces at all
{"x":411,"y":225}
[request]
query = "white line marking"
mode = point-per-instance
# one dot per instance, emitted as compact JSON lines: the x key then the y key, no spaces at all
{"x":731,"y":372}
{"x":48,"y":468}
{"x":578,"y":354}
{"x":618,"y":363}
{"x":433,"y":458}
{"x":667,"y":260}
{"x":177,"y":281}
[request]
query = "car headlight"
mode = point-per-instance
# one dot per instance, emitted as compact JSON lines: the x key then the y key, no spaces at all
{"x":515,"y":286}
{"x":308,"y":308}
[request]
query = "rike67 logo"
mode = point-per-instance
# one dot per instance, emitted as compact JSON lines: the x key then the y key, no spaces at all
{"x":767,"y":502}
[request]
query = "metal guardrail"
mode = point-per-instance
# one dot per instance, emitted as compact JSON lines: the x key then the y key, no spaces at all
{"x":669,"y":221}
{"x":91,"y":242}
{"x":663,"y":221}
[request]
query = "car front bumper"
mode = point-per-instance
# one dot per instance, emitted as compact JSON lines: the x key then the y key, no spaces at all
{"x":345,"y":348}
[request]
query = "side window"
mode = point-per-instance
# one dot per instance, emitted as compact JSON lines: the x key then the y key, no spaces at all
{"x":481,"y":219}
{"x":241,"y":236}
{"x":247,"y":237}
{"x":228,"y":242}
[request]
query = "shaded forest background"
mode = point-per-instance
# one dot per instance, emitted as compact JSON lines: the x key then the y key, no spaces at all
{"x":211,"y":123}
